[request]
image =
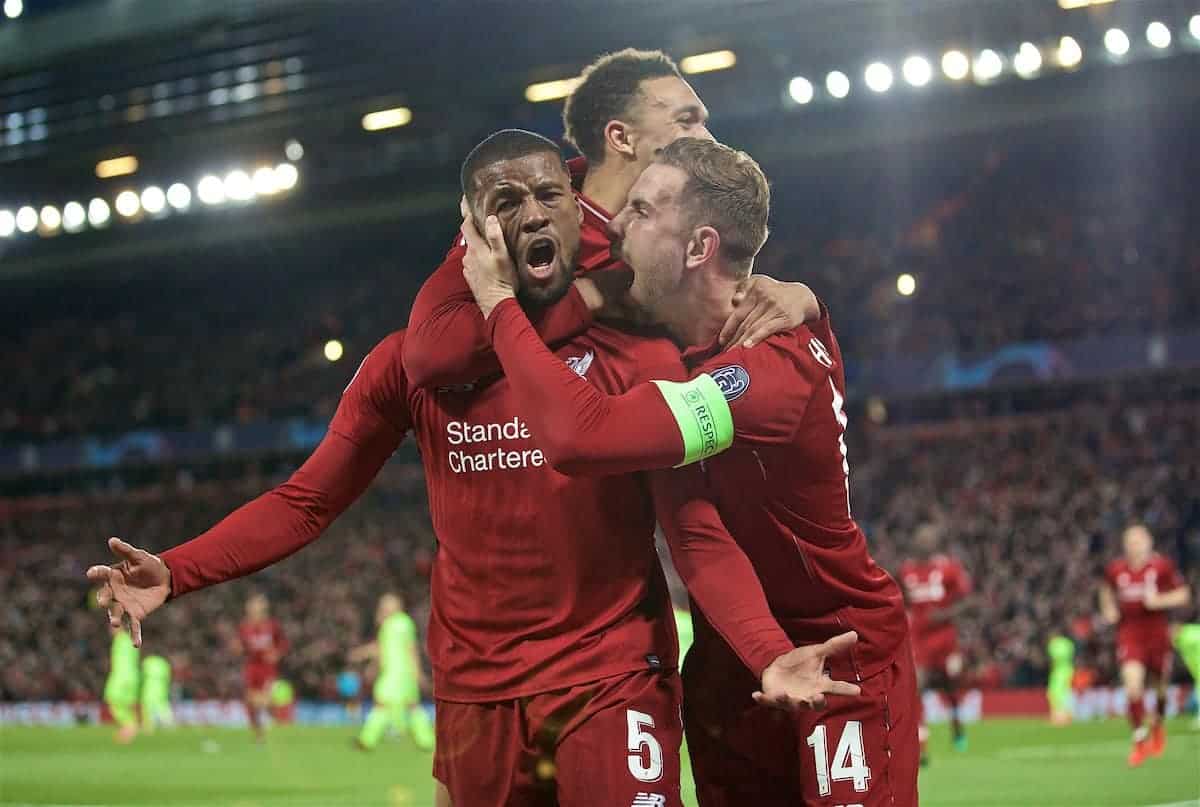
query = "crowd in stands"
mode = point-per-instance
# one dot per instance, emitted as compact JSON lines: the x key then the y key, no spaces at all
{"x":1033,"y":504}
{"x":1006,"y":242}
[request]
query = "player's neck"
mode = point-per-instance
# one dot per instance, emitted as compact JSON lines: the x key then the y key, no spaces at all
{"x":608,"y":184}
{"x":705,"y":304}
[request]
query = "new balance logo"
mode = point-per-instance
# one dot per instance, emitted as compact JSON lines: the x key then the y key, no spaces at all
{"x":580,"y":364}
{"x":649,"y":800}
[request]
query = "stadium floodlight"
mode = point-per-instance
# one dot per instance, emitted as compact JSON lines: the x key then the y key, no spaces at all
{"x":1068,"y":5}
{"x":387,"y":118}
{"x":293,"y":150}
{"x":179,"y":196}
{"x":128,"y":204}
{"x":13,"y":8}
{"x":154,"y":201}
{"x":74,"y":217}
{"x":334,"y":350}
{"x":117,"y":167}
{"x":51,"y":218}
{"x":27,"y":219}
{"x":550,"y":90}
{"x":1194,"y":26}
{"x":286,"y":176}
{"x":211,"y":190}
{"x":955,"y":65}
{"x":1158,"y":35}
{"x":917,"y":71}
{"x":878,"y":77}
{"x":98,"y":213}
{"x":708,"y":62}
{"x":988,"y":65}
{"x":837,"y":84}
{"x":1028,"y":60}
{"x":906,"y":284}
{"x":264,"y":181}
{"x":1116,"y":42}
{"x":8,"y":223}
{"x":800,"y":89}
{"x":238,"y":186}
{"x":1069,"y":52}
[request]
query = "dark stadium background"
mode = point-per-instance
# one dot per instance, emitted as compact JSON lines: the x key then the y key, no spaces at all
{"x":1038,"y":388}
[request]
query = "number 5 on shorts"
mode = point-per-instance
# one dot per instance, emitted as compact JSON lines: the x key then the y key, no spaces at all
{"x":849,"y":760}
{"x":639,"y":739}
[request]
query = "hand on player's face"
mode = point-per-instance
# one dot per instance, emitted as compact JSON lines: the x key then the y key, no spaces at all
{"x":132,"y":588}
{"x":764,"y":306}
{"x":797,"y":680}
{"x":538,"y":219}
{"x":487,"y":266}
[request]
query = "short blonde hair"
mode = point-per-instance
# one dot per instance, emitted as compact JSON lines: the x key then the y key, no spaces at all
{"x":727,"y":190}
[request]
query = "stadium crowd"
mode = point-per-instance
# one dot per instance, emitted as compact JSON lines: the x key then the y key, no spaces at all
{"x":236,"y":332}
{"x":1033,"y":504}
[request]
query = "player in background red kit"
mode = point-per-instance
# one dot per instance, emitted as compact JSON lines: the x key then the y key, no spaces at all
{"x":262,"y":644}
{"x":1135,"y":595}
{"x":627,"y":107}
{"x":761,"y":433}
{"x":936,"y":591}
{"x":551,"y":635}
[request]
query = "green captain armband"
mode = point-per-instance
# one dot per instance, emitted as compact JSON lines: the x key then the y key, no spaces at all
{"x":703,"y":416}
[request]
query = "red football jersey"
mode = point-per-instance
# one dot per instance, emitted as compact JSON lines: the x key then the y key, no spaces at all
{"x":1132,"y":586}
{"x":930,"y":586}
{"x":262,"y":642}
{"x":782,"y":490}
{"x":541,"y":581}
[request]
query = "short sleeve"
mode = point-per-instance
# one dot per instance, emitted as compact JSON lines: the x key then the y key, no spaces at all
{"x":1110,"y":574}
{"x":376,"y":399}
{"x":768,"y":386}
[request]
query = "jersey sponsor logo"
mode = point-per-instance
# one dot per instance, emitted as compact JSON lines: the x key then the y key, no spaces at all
{"x":732,"y":380}
{"x":817,"y":348}
{"x":581,"y":364}
{"x":649,"y":800}
{"x":464,"y":433}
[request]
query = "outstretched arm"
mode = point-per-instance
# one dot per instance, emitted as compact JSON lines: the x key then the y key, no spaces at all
{"x":722,"y":582}
{"x":582,"y":430}
{"x":370,"y":422}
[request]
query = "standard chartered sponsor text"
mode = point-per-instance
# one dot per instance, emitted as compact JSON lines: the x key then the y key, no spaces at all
{"x":500,"y":458}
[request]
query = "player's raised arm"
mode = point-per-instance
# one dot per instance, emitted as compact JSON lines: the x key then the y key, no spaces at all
{"x":722,"y":582}
{"x":367,"y":428}
{"x":447,"y":341}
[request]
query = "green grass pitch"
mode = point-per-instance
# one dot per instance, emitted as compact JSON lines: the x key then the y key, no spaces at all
{"x":1011,"y":763}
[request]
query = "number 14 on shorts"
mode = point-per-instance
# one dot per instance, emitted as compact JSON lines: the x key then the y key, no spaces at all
{"x":849,"y":759}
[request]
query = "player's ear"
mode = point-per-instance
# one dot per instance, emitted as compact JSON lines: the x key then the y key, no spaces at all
{"x":619,"y":137}
{"x":702,"y":247}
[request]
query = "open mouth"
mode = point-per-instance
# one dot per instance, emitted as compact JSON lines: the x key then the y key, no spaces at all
{"x":539,"y":257}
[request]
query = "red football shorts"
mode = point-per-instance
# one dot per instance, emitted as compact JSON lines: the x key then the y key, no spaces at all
{"x":1152,"y":649}
{"x":859,"y":751}
{"x":614,"y":741}
{"x":258,"y":677}
{"x":933,"y":653}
